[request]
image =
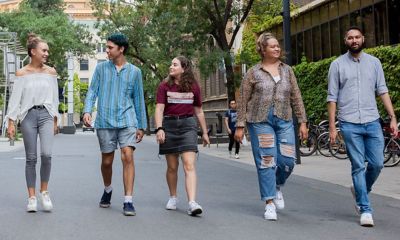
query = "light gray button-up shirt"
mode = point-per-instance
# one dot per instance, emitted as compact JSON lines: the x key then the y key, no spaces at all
{"x":354,"y":84}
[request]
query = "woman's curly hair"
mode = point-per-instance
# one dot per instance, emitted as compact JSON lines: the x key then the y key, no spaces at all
{"x":187,"y":78}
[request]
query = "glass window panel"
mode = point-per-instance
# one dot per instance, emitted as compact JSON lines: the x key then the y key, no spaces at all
{"x":324,"y":13}
{"x":335,"y":38}
{"x":316,"y":36}
{"x":293,"y":26}
{"x":294,"y":49}
{"x":84,"y":64}
{"x":299,"y":24}
{"x":333,"y":10}
{"x":307,"y":21}
{"x":366,"y":2}
{"x":315,"y":17}
{"x":326,"y":51}
{"x":368,"y":26}
{"x":308,"y":45}
{"x":354,"y":5}
{"x":355,"y":18}
{"x":380,"y":24}
{"x":394,"y":21}
{"x":343,"y":7}
{"x":300,"y":47}
{"x":343,"y":25}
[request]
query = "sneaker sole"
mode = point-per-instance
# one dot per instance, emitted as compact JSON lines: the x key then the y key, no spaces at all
{"x":129,"y":213}
{"x":367,"y":225}
{"x":170,"y":208}
{"x":195,"y":212}
{"x":31,"y":210}
{"x":271,"y":219}
{"x":104,"y":205}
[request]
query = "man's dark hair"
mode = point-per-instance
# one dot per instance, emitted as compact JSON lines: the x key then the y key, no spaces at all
{"x":232,"y":100}
{"x":119,"y":39}
{"x":353,"y":28}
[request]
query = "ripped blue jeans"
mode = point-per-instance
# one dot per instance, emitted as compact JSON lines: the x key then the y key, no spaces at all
{"x":273,"y":145}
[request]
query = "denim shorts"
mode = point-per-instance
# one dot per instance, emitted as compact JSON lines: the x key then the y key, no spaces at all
{"x":109,"y":139}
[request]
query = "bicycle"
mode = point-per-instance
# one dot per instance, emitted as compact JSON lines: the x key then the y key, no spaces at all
{"x":391,"y":151}
{"x":308,"y":146}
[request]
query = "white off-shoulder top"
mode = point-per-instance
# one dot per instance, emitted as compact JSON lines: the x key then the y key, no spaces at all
{"x":31,"y":90}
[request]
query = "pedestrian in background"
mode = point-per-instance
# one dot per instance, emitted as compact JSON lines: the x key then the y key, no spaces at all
{"x":355,"y":79}
{"x":121,"y":116}
{"x":178,"y":103}
{"x":267,"y":94}
{"x":230,"y":124}
{"x":34,"y":102}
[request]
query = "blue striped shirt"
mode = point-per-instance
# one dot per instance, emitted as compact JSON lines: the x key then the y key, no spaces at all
{"x":120,"y":96}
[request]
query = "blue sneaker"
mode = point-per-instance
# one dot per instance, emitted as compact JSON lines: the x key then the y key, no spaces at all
{"x":129,"y":209}
{"x":105,"y":201}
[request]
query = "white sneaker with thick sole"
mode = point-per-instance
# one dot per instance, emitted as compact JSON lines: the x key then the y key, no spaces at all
{"x":366,"y":220}
{"x":353,"y":193}
{"x":270,"y":212}
{"x":171,"y":204}
{"x":46,"y":201}
{"x":194,"y":209}
{"x":278,"y":201}
{"x":32,"y":205}
{"x":237,"y":156}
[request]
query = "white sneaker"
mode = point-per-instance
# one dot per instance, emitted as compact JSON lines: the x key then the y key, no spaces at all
{"x":46,"y":201}
{"x":278,"y":201}
{"x":353,"y":193}
{"x":270,"y":212}
{"x":194,"y":209}
{"x":171,"y":204}
{"x":237,"y":156}
{"x":366,"y":220}
{"x":32,"y":205}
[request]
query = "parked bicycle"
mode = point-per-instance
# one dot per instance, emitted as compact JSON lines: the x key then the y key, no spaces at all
{"x":392,"y":147}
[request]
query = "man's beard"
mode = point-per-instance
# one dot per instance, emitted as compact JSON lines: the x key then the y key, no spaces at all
{"x":355,"y":51}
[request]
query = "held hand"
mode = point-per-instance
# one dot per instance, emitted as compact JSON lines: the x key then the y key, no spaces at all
{"x":160,"y":136}
{"x":11,"y":131}
{"x":139,"y":135}
{"x":303,"y":131}
{"x":332,"y":135}
{"x":239,"y":133}
{"x":87,"y":119}
{"x":206,"y":140}
{"x":393,"y":127}
{"x":229,"y":131}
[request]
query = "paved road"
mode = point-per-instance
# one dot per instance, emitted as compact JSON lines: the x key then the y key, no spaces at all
{"x":228,"y":191}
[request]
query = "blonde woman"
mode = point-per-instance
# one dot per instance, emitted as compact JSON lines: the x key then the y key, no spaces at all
{"x":267,"y":95}
{"x":34,"y":102}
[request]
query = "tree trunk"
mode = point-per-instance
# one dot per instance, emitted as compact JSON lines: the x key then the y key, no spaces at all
{"x":230,"y":78}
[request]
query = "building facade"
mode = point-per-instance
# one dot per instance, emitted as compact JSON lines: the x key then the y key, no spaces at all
{"x":318,"y":27}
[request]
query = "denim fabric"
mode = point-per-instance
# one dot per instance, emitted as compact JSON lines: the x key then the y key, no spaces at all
{"x":273,"y":148}
{"x":364,"y":143}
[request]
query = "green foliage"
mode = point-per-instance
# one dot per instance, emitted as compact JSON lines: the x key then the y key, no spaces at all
{"x":46,"y":19}
{"x":312,"y":80}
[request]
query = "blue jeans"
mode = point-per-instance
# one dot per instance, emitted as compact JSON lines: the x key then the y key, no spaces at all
{"x":364,"y":143}
{"x":273,"y":145}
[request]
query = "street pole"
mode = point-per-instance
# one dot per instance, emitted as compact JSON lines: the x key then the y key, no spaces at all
{"x":288,"y":52}
{"x":70,"y":128}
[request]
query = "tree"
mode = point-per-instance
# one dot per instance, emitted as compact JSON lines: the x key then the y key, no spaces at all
{"x":46,"y":18}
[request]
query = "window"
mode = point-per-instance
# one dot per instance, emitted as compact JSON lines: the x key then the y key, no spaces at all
{"x":324,"y":13}
{"x":315,"y":17}
{"x":381,"y":27}
{"x":84,"y":65}
{"x":299,"y":24}
{"x":333,"y":10}
{"x":316,"y":36}
{"x":394,"y":21}
{"x":355,"y":18}
{"x":293,"y":26}
{"x":300,"y":47}
{"x":307,"y":21}
{"x":101,"y":48}
{"x":368,"y":26}
{"x":343,"y":25}
{"x":354,"y":5}
{"x":294,"y":50}
{"x":84,"y":80}
{"x":366,"y":3}
{"x":308,"y":45}
{"x":326,"y":50}
{"x":343,"y":7}
{"x":335,"y":38}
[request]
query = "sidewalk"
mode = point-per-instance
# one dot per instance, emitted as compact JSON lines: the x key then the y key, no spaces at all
{"x":320,"y":168}
{"x":5,"y":145}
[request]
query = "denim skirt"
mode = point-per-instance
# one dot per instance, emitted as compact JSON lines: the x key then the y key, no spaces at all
{"x":180,"y":136}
